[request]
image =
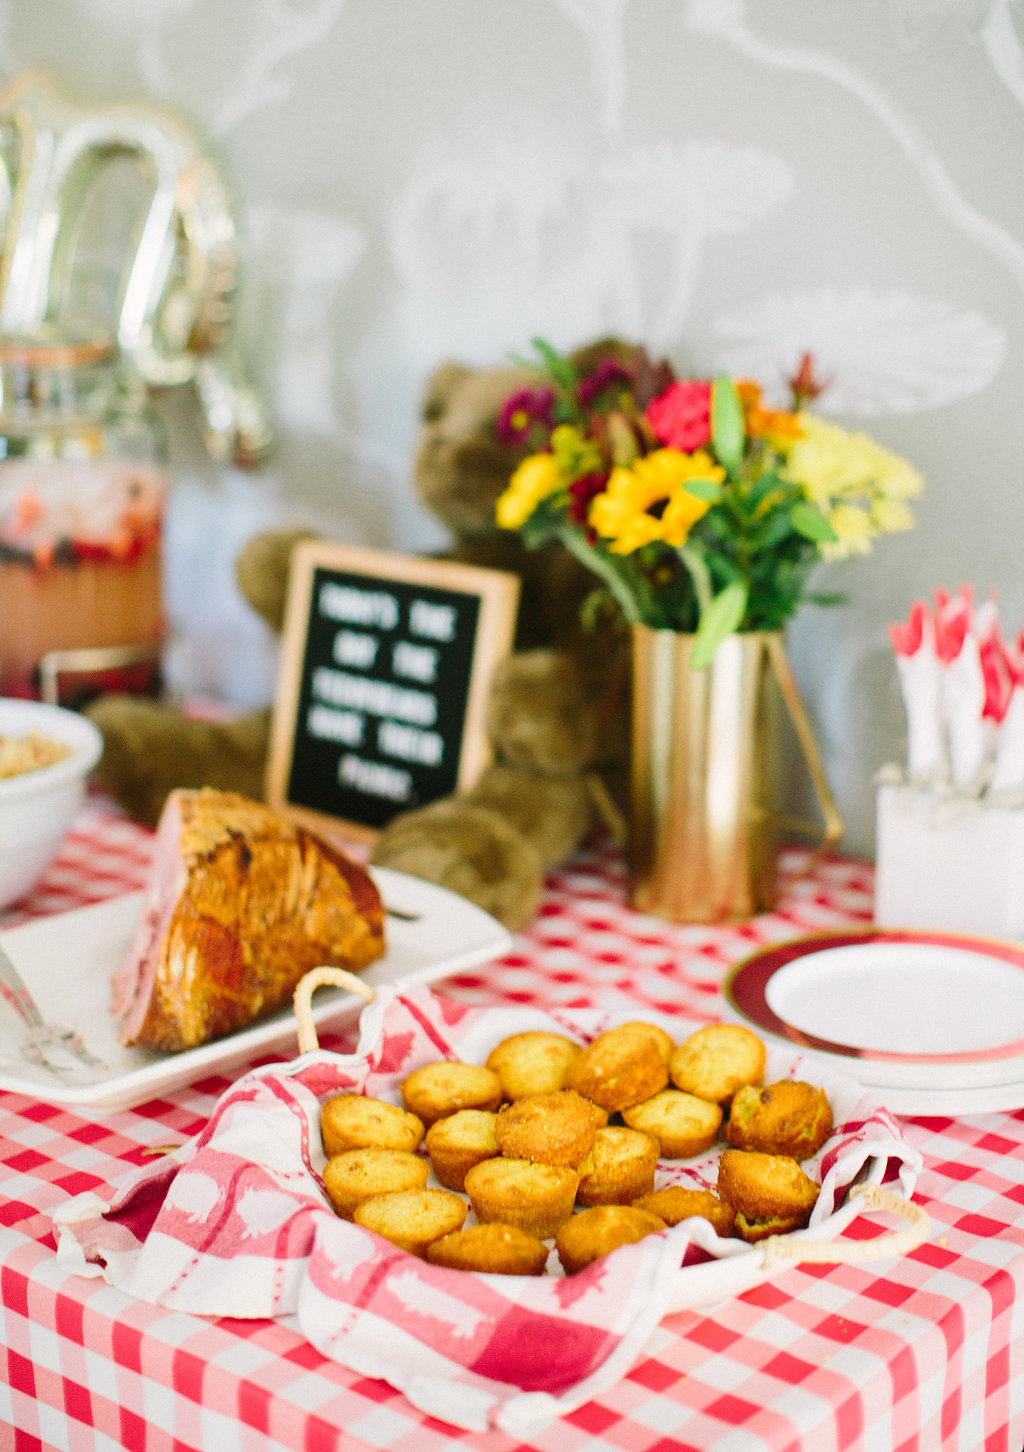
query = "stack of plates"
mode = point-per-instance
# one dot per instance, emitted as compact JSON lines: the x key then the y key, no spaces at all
{"x":933,"y":1021}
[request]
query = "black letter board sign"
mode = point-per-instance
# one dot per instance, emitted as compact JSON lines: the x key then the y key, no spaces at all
{"x":385,"y":670}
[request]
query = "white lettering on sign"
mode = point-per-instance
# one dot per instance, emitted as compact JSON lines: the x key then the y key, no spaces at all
{"x":409,"y":743}
{"x":435,"y":622}
{"x":354,"y":648}
{"x":326,"y":724}
{"x":374,"y":778}
{"x":376,"y":698}
{"x":414,"y":662}
{"x":359,"y":607}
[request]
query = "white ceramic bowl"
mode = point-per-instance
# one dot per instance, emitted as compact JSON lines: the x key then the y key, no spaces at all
{"x":38,"y":807}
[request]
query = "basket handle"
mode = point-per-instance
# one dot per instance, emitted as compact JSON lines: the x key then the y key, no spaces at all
{"x":852,"y":1252}
{"x":301,"y":1000}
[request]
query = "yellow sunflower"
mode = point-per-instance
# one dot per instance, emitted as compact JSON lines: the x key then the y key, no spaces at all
{"x":534,"y":479}
{"x":650,"y":501}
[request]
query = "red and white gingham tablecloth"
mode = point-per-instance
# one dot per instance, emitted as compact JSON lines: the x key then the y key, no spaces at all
{"x":920,"y":1354}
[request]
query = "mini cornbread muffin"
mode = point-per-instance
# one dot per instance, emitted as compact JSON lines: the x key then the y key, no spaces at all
{"x":458,"y":1142}
{"x":535,"y":1198}
{"x":598,"y":1231}
{"x":535,"y":1062}
{"x":682,"y":1124}
{"x":412,"y":1219}
{"x":437,"y":1090}
{"x":771,"y":1193}
{"x":619,"y":1168}
{"x":494,"y":1249}
{"x":352,"y":1121}
{"x":717,"y":1060}
{"x":787,"y":1118}
{"x":548,"y":1129}
{"x":618,"y":1069}
{"x":359,"y":1174}
{"x":676,"y":1203}
{"x":664,"y":1042}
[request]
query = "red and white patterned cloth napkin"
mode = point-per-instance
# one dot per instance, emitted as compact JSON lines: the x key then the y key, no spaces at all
{"x":236,"y":1223}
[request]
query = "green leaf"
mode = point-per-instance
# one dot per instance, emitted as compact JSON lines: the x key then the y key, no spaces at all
{"x":560,"y":368}
{"x":767,"y":484}
{"x":812,"y":524}
{"x":774,"y":530}
{"x":728,"y":433}
{"x":708,"y":489}
{"x":723,"y":616}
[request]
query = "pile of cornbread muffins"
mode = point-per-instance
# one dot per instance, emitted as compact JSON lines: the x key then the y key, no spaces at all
{"x":553,"y":1140}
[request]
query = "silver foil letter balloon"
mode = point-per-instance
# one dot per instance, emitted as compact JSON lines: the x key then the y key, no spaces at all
{"x":178,"y":280}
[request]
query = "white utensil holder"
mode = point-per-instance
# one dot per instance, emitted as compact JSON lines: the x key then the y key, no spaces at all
{"x":949,"y":864}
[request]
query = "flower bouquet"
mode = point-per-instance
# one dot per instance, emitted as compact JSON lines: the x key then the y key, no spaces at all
{"x":699,"y":508}
{"x":702,"y":511}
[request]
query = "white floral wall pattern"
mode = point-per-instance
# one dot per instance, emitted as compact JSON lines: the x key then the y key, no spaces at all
{"x":733,"y":182}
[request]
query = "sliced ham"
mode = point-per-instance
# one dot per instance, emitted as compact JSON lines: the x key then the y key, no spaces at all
{"x":241,"y":902}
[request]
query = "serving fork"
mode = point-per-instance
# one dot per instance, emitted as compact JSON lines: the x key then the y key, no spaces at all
{"x":44,"y":1043}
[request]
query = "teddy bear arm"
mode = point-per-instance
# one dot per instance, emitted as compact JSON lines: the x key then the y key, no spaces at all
{"x":149,"y":749}
{"x":470,"y":850}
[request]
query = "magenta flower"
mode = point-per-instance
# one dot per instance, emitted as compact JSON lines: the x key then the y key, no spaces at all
{"x":608,"y":372}
{"x":681,"y":416}
{"x":521,"y":410}
{"x":581,"y":492}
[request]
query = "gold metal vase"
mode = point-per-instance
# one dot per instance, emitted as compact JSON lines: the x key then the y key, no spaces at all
{"x":706,"y":784}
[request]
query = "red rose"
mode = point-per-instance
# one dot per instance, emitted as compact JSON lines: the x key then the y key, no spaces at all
{"x":681,"y":416}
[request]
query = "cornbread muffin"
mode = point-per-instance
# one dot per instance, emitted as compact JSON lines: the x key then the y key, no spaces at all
{"x":411,"y":1219}
{"x":357,"y":1174}
{"x":717,"y":1060}
{"x":676,"y":1203}
{"x":494,"y":1249}
{"x":682,"y":1124}
{"x":458,"y":1142}
{"x":771,"y":1193}
{"x":788,"y":1118}
{"x":664,"y":1042}
{"x":535,"y":1198}
{"x":535,"y":1062}
{"x":619,"y":1069}
{"x":437,"y":1090}
{"x":753,"y":1228}
{"x":619,"y":1168}
{"x":548,"y":1129}
{"x":595,"y":1232}
{"x":352,"y":1121}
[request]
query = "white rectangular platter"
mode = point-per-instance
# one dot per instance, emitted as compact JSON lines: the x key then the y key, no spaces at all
{"x":68,"y":960}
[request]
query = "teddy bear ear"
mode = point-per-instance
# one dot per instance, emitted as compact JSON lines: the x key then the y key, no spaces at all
{"x":262,"y":569}
{"x":440,"y":385}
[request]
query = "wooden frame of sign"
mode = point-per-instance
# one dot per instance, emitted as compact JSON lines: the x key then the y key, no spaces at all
{"x":386,"y":666}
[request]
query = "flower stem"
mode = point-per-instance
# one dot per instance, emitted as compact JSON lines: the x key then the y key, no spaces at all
{"x":596,"y":562}
{"x":699,"y":574}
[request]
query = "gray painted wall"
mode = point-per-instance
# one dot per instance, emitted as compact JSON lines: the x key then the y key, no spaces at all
{"x":731,"y":181}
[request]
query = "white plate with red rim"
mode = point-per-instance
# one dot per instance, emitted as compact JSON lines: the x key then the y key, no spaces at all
{"x":68,"y":960}
{"x":934,"y":1019}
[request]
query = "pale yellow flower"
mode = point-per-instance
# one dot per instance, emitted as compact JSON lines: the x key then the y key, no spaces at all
{"x":650,"y":501}
{"x":854,"y":532}
{"x":575,"y":454}
{"x":890,"y":516}
{"x":861,"y":487}
{"x":533,"y":481}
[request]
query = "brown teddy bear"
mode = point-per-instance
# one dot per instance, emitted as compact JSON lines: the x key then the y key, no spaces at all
{"x":557,"y":718}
